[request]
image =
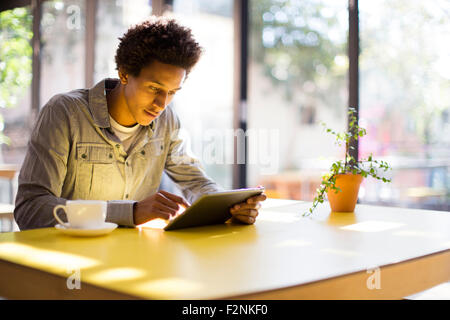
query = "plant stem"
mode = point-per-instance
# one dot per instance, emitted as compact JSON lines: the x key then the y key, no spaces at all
{"x":346,"y":155}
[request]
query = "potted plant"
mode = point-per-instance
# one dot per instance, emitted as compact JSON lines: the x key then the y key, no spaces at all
{"x":341,"y":183}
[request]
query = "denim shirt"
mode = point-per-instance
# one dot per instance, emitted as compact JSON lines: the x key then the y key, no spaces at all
{"x":74,"y":154}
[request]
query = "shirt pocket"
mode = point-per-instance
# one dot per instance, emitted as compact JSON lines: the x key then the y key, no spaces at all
{"x":150,"y":165}
{"x":95,"y":153}
{"x":98,"y":177}
{"x":155,"y":147}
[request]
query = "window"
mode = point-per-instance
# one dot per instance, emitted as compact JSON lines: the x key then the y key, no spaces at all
{"x":205,"y":104}
{"x":405,"y":100}
{"x":62,"y":47}
{"x":297,"y":78}
{"x":15,"y":79}
{"x":15,"y":91}
{"x":120,"y":16}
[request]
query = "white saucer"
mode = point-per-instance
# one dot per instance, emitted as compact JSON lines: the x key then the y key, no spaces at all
{"x":106,"y":228}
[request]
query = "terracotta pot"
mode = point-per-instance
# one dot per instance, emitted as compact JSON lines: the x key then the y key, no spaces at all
{"x":345,"y":200}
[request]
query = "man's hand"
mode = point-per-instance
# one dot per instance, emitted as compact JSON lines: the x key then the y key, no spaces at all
{"x":246,"y":212}
{"x":163,"y":205}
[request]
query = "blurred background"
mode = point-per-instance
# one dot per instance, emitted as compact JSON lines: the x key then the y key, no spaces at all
{"x":274,"y":67}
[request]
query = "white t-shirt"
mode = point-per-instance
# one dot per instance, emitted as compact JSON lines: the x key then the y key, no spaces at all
{"x":125,"y":134}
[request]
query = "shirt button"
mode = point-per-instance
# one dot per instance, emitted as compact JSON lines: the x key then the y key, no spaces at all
{"x":110,"y":156}
{"x":117,"y":145}
{"x":84,"y":156}
{"x":143,"y":152}
{"x":127,"y":163}
{"x":126,"y":196}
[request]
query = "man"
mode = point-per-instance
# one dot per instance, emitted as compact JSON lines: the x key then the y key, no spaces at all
{"x":113,"y":141}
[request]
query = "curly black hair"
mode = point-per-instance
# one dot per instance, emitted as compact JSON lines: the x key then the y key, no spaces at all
{"x":160,"y":39}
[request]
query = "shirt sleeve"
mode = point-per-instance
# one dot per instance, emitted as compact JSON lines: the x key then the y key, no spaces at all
{"x":184,"y":168}
{"x":44,"y":170}
{"x":121,"y":212}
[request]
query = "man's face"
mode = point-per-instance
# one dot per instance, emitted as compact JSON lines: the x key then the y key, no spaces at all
{"x":152,"y":90}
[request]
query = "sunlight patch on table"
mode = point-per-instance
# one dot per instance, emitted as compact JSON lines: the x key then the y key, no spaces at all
{"x":119,"y":274}
{"x":439,"y":292}
{"x":293,"y":243}
{"x":418,"y":234}
{"x":372,"y":226}
{"x":154,"y":224}
{"x":223,"y":235}
{"x":339,"y":252}
{"x":169,"y":288}
{"x":21,"y":253}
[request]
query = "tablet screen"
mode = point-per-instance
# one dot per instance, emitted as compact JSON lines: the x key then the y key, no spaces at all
{"x":211,"y":208}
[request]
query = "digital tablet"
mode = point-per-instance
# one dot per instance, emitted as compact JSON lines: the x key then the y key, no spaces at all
{"x":211,"y":208}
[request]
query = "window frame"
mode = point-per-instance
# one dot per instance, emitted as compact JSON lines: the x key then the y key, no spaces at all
{"x":241,"y":45}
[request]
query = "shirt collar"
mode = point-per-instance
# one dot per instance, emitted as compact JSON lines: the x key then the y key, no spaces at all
{"x":98,"y":105}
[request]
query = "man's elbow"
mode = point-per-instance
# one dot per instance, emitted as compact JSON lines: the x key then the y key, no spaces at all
{"x":26,"y":217}
{"x":21,"y":219}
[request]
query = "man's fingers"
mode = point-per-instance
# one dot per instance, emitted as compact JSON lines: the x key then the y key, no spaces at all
{"x":166,"y":209}
{"x":244,"y":218}
{"x":161,"y":198}
{"x":175,"y":198}
{"x":162,"y":215}
{"x":241,"y":206}
{"x":258,"y":198}
{"x":246,"y":212}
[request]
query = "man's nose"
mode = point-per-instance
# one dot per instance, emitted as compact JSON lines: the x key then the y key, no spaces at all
{"x":161,"y":100}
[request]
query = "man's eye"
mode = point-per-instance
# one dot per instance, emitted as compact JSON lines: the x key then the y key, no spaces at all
{"x":153,"y":88}
{"x":172,"y":93}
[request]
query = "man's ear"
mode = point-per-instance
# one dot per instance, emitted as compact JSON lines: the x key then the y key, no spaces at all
{"x":123,"y":77}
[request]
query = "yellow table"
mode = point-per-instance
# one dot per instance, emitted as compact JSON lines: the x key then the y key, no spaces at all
{"x":377,"y":252}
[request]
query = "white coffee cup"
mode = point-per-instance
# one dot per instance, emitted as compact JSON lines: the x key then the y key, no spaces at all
{"x":82,"y":214}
